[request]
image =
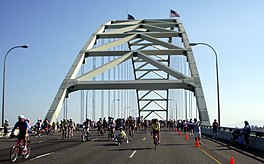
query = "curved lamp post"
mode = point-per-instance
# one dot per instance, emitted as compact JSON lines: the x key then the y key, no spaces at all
{"x":217,"y":77}
{"x":3,"y":97}
{"x":112,"y":105}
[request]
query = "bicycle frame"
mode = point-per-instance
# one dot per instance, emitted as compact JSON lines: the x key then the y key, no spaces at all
{"x":155,"y":138}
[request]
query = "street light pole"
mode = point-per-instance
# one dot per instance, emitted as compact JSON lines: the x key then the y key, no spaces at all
{"x":217,"y":76}
{"x":112,"y":105}
{"x":86,"y":114}
{"x":126,"y":111}
{"x":175,"y":108}
{"x":4,"y":70}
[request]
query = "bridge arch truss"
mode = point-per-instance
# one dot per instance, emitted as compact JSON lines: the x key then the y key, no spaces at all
{"x":149,"y":47}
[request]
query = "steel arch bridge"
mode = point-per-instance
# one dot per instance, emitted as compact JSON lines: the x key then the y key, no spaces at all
{"x":149,"y":48}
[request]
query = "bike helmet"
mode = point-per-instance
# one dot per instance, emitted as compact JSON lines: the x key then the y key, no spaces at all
{"x":21,"y":117}
{"x":6,"y":120}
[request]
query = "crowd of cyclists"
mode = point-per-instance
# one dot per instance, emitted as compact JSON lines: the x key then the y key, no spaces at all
{"x":119,"y":129}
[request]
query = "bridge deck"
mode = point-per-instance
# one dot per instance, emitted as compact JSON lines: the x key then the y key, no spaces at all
{"x":173,"y":149}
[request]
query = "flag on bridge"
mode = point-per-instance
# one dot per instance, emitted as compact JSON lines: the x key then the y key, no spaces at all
{"x":174,"y":14}
{"x":130,"y":17}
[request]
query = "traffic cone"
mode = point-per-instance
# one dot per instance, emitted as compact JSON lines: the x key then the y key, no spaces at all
{"x":197,"y":144}
{"x":186,"y":136}
{"x":232,"y":160}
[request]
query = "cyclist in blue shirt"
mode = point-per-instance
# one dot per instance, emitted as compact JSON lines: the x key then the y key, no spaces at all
{"x":23,"y":129}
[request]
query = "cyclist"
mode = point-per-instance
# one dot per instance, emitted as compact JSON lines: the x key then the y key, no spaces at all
{"x":64,"y":125}
{"x":111,"y":127}
{"x":155,"y":129}
{"x":122,"y":134}
{"x":38,"y":126}
{"x":70,"y":127}
{"x":131,"y":126}
{"x":100,"y":127}
{"x":104,"y":124}
{"x":46,"y":126}
{"x":23,"y":130}
{"x":6,"y":124}
{"x":86,"y":125}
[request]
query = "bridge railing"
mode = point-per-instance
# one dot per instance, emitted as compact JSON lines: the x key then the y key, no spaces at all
{"x":254,"y":133}
{"x":256,"y":139}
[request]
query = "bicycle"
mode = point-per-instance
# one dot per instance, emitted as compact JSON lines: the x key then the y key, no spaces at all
{"x":86,"y":136}
{"x":131,"y":133}
{"x":18,"y":149}
{"x":156,"y":141}
{"x":70,"y":131}
{"x":110,"y":133}
{"x":64,"y":132}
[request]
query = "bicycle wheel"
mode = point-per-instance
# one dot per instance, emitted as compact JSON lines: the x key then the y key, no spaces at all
{"x":51,"y":131}
{"x":88,"y":136}
{"x":83,"y":137}
{"x":14,"y":153}
{"x":63,"y":134}
{"x":27,"y":154}
{"x":156,"y":141}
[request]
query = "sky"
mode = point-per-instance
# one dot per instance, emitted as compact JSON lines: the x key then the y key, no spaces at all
{"x":56,"y":30}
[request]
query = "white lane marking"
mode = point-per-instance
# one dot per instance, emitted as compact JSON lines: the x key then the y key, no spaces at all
{"x":94,"y":139}
{"x":43,"y":155}
{"x":144,"y":139}
{"x":40,"y":141}
{"x":134,"y":152}
{"x":58,"y":138}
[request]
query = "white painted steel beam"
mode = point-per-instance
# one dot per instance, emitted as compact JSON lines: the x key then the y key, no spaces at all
{"x":161,"y":66}
{"x":75,"y":85}
{"x":149,"y":43}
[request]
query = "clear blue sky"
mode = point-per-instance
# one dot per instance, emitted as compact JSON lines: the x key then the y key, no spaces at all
{"x":56,"y":30}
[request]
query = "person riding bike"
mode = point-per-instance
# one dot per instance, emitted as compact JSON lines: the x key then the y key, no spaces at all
{"x":38,"y":126}
{"x":64,"y":126}
{"x":121,"y":135}
{"x":5,"y":125}
{"x":46,"y":126}
{"x":100,"y":127}
{"x":111,"y":127}
{"x":131,"y":126}
{"x":70,"y":127}
{"x":155,"y":127}
{"x":23,"y":130}
{"x":86,"y":125}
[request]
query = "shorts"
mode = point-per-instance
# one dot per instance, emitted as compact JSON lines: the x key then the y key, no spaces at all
{"x":132,"y":127}
{"x":197,"y":134}
{"x":22,"y":136}
{"x":155,"y":131}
